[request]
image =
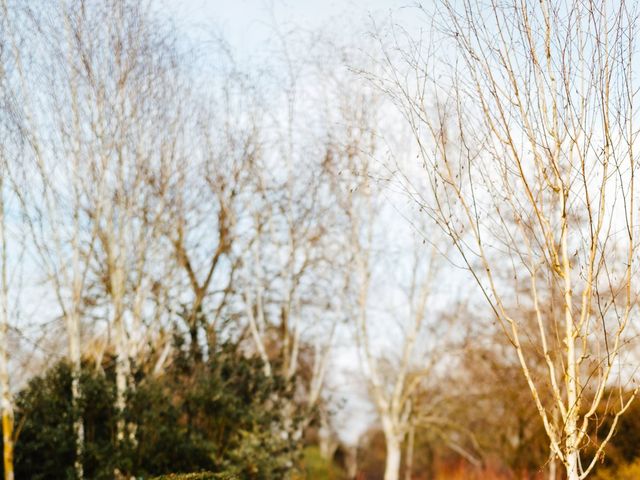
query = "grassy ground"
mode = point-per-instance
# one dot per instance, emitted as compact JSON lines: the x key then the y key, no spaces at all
{"x":316,"y":467}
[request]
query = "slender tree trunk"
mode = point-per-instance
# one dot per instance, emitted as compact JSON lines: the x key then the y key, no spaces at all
{"x":392,"y":461}
{"x":553,"y":459}
{"x":408,"y":464}
{"x":7,"y":434}
{"x":394,"y":450}
{"x":75,"y":352}
{"x":122,"y":371}
{"x":572,"y":465}
{"x":351,"y":461}
{"x":7,"y":404}
{"x":121,"y":388}
{"x":571,"y":422}
{"x":123,"y":365}
{"x":553,"y":466}
{"x":76,"y":392}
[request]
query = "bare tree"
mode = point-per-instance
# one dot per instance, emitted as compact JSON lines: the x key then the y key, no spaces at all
{"x":527,"y":140}
{"x":396,"y":379}
{"x":52,"y":192}
{"x":134,"y":129}
{"x":96,"y":136}
{"x":5,"y":387}
{"x":375,"y":273}
{"x":210,"y":198}
{"x":290,"y":279}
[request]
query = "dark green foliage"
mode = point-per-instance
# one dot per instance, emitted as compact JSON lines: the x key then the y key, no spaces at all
{"x":45,"y":448}
{"x":223,"y":415}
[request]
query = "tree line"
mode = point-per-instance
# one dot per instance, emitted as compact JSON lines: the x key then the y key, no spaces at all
{"x":192,"y":246}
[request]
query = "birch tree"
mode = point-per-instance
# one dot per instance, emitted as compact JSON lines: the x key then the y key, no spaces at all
{"x":526,"y":133}
{"x":5,"y":386}
{"x":126,"y":59}
{"x":395,"y":379}
{"x":377,"y":273}
{"x":290,"y":287}
{"x":52,"y":190}
{"x":91,"y":115}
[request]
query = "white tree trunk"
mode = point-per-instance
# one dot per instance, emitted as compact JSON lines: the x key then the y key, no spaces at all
{"x":73,"y":331}
{"x":572,"y":466}
{"x":553,"y":465}
{"x":573,"y":394}
{"x":351,"y":461}
{"x":6,"y":400}
{"x":122,"y":372}
{"x":392,"y":462}
{"x":7,"y":404}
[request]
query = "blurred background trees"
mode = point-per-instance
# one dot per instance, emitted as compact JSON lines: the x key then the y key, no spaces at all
{"x":262,"y":271}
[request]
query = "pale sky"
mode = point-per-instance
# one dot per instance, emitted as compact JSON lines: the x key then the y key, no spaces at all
{"x":247,"y":23}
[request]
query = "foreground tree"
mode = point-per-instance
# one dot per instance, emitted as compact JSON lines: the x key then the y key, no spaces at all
{"x":528,"y":147}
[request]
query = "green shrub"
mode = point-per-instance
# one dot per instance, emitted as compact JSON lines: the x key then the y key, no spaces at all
{"x":44,"y":416}
{"x":223,"y":415}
